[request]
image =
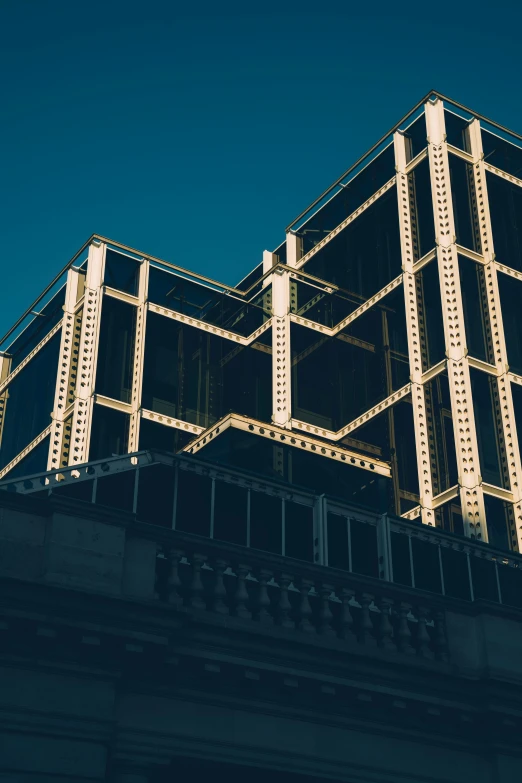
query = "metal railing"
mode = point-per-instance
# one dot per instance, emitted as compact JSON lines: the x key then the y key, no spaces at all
{"x":220,"y":503}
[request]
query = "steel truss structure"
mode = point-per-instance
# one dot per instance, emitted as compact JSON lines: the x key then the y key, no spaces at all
{"x":375,"y":339}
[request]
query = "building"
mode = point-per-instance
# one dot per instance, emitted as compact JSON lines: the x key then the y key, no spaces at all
{"x":278,"y":527}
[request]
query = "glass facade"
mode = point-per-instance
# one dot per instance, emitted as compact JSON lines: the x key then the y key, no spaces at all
{"x":375,"y":357}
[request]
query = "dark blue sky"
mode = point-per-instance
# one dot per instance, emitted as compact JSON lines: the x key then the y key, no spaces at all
{"x":197,"y":133}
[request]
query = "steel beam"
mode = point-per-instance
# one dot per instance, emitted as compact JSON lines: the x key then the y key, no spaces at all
{"x":88,"y":354}
{"x":466,"y":445}
{"x":281,"y":436}
{"x":139,"y":356}
{"x":509,"y":444}
{"x":5,"y":365}
{"x":414,"y":327}
{"x":281,"y":351}
{"x":60,"y":440}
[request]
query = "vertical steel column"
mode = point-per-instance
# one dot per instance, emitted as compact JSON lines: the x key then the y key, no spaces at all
{"x":420,"y":418}
{"x":511,"y":452}
{"x":60,"y":440}
{"x":294,"y":248}
{"x":281,"y":352}
{"x":86,"y":376}
{"x":5,"y":369}
{"x":139,"y":354}
{"x":466,"y":445}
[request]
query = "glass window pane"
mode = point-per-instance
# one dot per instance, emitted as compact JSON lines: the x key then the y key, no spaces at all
{"x":193,"y":503}
{"x":156,"y":495}
{"x":484,"y":579}
{"x":317,"y":305}
{"x":456,"y":575}
{"x":429,"y":305}
{"x":121,"y":272}
{"x":510,"y":579}
{"x":421,"y":207}
{"x":473,"y":287}
{"x":154,"y":435}
{"x":485,"y":404}
{"x":502,"y":154}
{"x":337,"y":534}
{"x":510,"y":298}
{"x":116,"y":349}
{"x":30,"y":401}
{"x":457,"y":131}
{"x":443,"y":459}
{"x":230,"y":513}
{"x":266,"y":522}
{"x":116,"y":491}
{"x":109,"y":433}
{"x":206,"y":304}
{"x":416,"y":137}
{"x":401,"y":559}
{"x":500,"y":520}
{"x":34,"y":462}
{"x":505,"y":206}
{"x":449,"y":517}
{"x":363,"y":538}
{"x":36,"y":329}
{"x":348,"y":199}
{"x":464,"y":203}
{"x":366,"y":255}
{"x":426,"y":566}
{"x":299,"y":532}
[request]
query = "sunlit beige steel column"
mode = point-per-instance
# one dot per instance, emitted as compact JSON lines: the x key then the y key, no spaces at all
{"x":420,"y":418}
{"x":466,"y":445}
{"x":281,"y":352}
{"x":139,"y":356}
{"x":5,"y":368}
{"x":496,"y":338}
{"x":64,"y":397}
{"x":89,"y":337}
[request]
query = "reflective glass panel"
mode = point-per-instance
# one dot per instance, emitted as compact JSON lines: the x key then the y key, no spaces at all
{"x":230,"y":513}
{"x":193,"y":503}
{"x":154,"y":435}
{"x":486,"y":408}
{"x":484,"y":578}
{"x":400,"y":550}
{"x":421,"y":209}
{"x":206,"y":304}
{"x":500,"y":520}
{"x":34,"y":462}
{"x":116,"y":491}
{"x":505,"y":206}
{"x":30,"y":401}
{"x":510,"y":578}
{"x":192,"y":375}
{"x":156,"y":495}
{"x":266,"y":522}
{"x":464,"y":203}
{"x":316,"y":304}
{"x":456,"y":573}
{"x":363,"y":542}
{"x":426,"y":565}
{"x":36,"y":329}
{"x":116,"y":349}
{"x":337,"y":535}
{"x":366,"y":255}
{"x":348,"y":199}
{"x":457,"y":131}
{"x":109,"y":433}
{"x":510,"y":298}
{"x":476,"y":321}
{"x":429,"y":305}
{"x":121,"y":272}
{"x":502,"y":154}
{"x":299,"y":532}
{"x":416,"y":137}
{"x":443,"y":458}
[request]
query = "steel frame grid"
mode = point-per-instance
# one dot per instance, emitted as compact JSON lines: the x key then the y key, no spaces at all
{"x":437,"y":151}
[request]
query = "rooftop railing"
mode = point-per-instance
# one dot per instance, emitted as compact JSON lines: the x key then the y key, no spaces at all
{"x":219,"y":505}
